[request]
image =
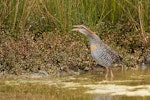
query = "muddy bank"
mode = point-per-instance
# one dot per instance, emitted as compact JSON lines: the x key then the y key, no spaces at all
{"x":98,"y":71}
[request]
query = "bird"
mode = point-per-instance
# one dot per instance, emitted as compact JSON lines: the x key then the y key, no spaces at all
{"x":103,"y":54}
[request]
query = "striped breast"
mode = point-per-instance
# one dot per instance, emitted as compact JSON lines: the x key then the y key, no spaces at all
{"x":103,"y":55}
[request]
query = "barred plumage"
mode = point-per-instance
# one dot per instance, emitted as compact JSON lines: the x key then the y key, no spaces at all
{"x":101,"y":52}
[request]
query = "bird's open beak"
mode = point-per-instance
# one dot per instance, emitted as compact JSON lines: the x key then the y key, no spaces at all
{"x":76,"y":28}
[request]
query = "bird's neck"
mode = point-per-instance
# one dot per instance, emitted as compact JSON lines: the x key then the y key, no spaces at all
{"x":94,"y":40}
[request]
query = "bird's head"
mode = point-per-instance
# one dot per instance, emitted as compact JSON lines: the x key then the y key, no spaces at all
{"x":82,"y":29}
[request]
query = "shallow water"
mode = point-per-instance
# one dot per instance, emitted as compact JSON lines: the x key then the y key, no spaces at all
{"x":127,"y":85}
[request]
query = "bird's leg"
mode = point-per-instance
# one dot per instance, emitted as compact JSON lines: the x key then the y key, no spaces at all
{"x":111,"y":73}
{"x":107,"y":72}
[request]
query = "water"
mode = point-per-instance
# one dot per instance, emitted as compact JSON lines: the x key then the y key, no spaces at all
{"x":127,"y":85}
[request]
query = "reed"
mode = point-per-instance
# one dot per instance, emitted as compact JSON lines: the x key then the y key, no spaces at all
{"x":52,"y":15}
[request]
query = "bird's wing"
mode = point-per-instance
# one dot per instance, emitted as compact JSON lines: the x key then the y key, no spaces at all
{"x":113,"y":54}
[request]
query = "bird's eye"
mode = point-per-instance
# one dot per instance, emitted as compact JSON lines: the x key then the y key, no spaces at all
{"x":83,"y":28}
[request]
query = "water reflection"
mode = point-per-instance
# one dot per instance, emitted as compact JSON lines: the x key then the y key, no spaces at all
{"x":103,"y":97}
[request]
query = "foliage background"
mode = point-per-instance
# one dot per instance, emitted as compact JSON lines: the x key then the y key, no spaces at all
{"x":36,"y":34}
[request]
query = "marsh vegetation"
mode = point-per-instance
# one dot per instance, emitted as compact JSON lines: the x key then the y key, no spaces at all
{"x":36,"y":34}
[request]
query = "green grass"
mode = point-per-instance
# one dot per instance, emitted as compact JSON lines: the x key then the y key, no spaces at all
{"x":51,"y":15}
